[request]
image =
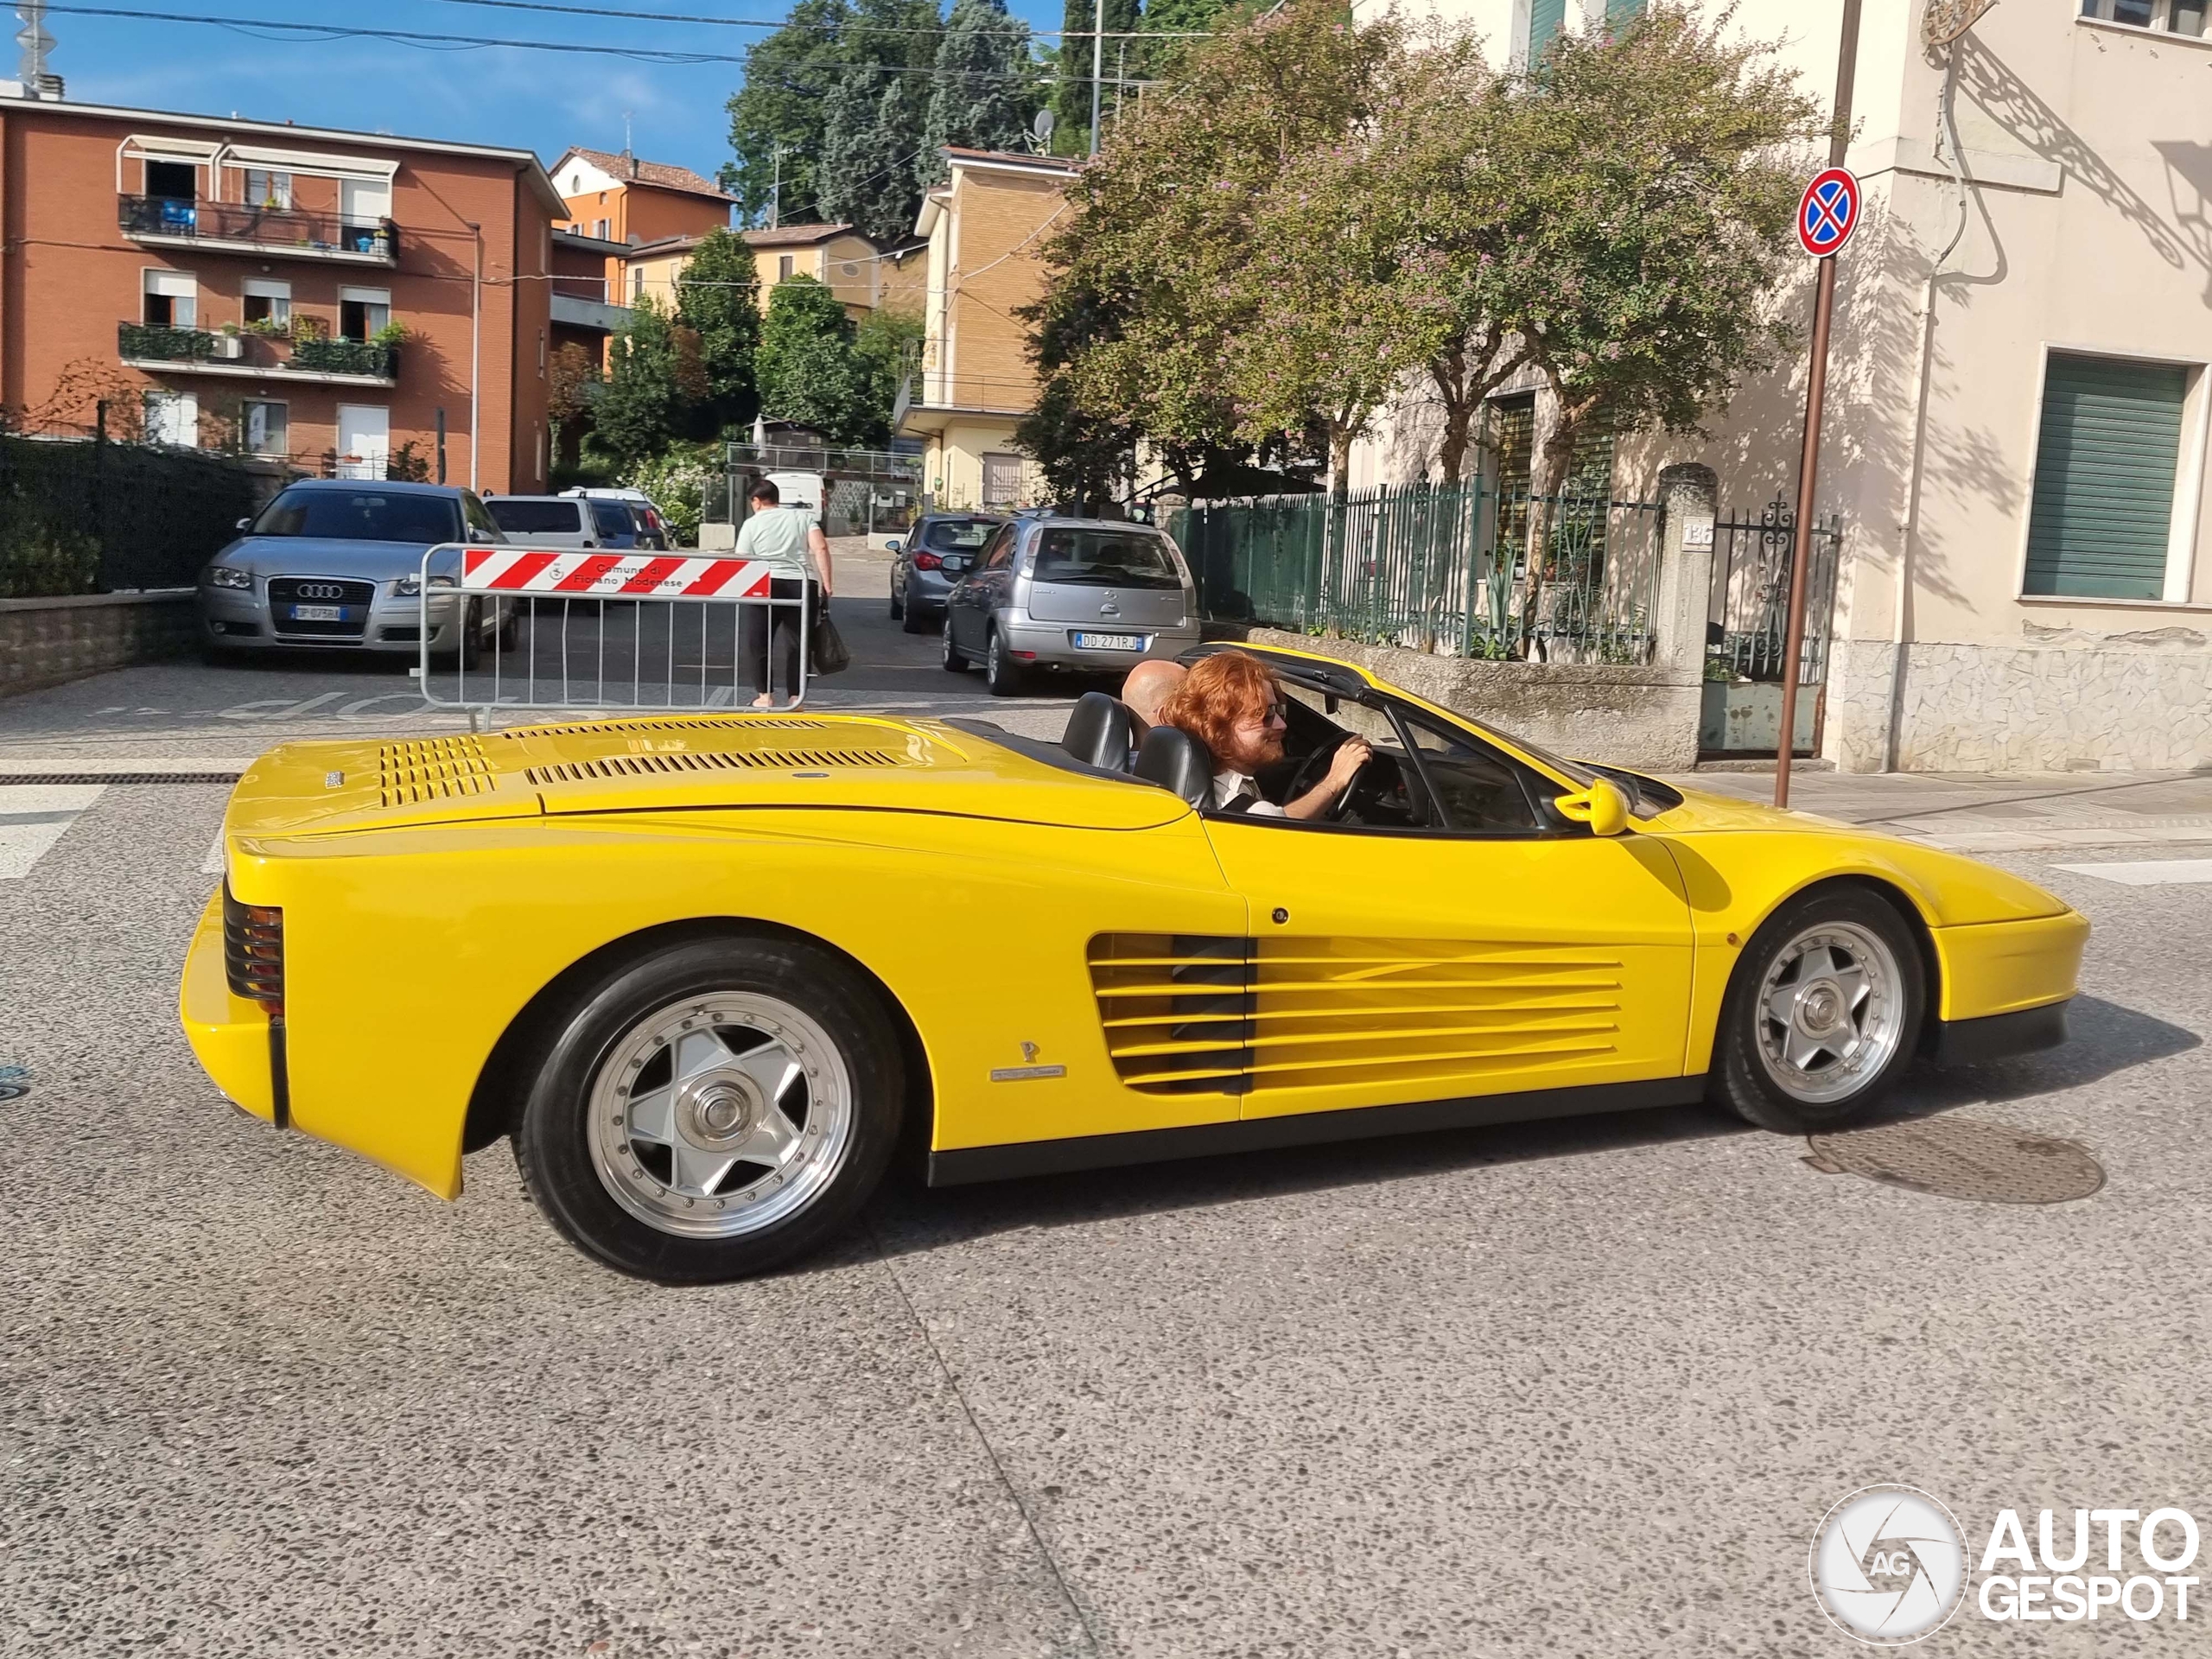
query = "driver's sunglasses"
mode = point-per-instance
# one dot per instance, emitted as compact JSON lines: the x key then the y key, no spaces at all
{"x":1275,"y":715}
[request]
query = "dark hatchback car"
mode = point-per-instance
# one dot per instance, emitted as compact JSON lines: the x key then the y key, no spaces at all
{"x":920,"y":582}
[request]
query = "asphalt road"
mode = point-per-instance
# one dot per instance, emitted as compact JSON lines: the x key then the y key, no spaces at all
{"x":1574,"y":1389}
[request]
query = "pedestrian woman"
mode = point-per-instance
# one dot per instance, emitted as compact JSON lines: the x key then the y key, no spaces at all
{"x":791,"y":540}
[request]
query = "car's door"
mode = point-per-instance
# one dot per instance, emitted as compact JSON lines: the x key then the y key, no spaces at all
{"x":969,"y":612}
{"x":1483,"y":945}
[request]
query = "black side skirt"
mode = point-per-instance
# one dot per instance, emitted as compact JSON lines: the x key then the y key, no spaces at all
{"x":1968,"y":1042}
{"x":967,"y":1164}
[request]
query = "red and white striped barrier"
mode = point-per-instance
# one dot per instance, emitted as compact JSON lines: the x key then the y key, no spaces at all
{"x":651,"y":575}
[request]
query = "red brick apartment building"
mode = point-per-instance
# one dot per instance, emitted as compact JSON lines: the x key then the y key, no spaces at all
{"x":323,"y":297}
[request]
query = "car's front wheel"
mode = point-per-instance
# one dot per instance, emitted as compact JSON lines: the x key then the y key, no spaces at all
{"x":1824,"y":1014}
{"x":714,"y":1109}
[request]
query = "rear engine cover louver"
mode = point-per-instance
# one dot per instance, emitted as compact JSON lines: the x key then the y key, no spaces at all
{"x":686,"y":760}
{"x":1185,"y":1014}
{"x":436,"y":768}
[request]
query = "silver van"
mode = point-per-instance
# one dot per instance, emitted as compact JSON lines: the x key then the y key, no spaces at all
{"x":1089,"y":594}
{"x":545,"y":520}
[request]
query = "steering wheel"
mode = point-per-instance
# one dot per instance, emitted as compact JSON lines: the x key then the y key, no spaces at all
{"x":1315,"y":767}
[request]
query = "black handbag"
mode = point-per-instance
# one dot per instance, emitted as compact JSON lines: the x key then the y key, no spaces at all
{"x":827,"y":647}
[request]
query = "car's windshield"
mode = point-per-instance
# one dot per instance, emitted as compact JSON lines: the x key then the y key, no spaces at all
{"x":958,"y":535}
{"x":536,"y":517}
{"x":366,"y":514}
{"x":1105,"y":558}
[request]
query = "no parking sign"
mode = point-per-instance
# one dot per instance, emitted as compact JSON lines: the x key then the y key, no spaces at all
{"x":1827,"y":212}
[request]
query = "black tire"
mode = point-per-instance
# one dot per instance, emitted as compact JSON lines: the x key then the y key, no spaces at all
{"x":954,"y":662}
{"x":898,"y":606}
{"x":1000,"y":673}
{"x":1747,"y":1078}
{"x":510,"y":632}
{"x":470,"y":647}
{"x":553,"y":1143}
{"x":914,"y":621}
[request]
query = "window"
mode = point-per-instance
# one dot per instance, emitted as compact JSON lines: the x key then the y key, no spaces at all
{"x":784,"y":268}
{"x":519,"y":517}
{"x":1001,"y":480}
{"x":541,"y":353}
{"x":172,"y":180}
{"x":999,"y":553}
{"x":361,"y":516}
{"x":363,"y":313}
{"x":2100,"y":525}
{"x":601,"y":227}
{"x":1105,"y":558}
{"x":612,"y":518}
{"x":171,"y":300}
{"x":265,"y":189}
{"x":266,"y":429}
{"x":958,"y":535}
{"x":479,"y":517}
{"x":1546,"y":19}
{"x":268,"y":303}
{"x":173,"y":418}
{"x":1480,"y":791}
{"x":2177,"y":16}
{"x":1618,"y":12}
{"x":636,"y":284}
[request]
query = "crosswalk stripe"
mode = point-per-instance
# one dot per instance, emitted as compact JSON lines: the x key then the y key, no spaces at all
{"x":2154,"y":872}
{"x":33,"y":816}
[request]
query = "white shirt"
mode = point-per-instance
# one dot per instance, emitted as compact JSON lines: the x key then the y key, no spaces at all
{"x":1227,"y":786}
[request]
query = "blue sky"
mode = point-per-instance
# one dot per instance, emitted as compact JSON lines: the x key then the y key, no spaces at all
{"x":543,"y":101}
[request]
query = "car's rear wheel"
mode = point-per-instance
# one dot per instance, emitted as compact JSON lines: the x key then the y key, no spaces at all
{"x":912,"y":621}
{"x":714,"y":1109}
{"x":1000,"y":672}
{"x":954,"y":662}
{"x":898,"y":605}
{"x":1824,"y":1014}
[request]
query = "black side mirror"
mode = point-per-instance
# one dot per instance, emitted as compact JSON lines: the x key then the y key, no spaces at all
{"x":246,"y":524}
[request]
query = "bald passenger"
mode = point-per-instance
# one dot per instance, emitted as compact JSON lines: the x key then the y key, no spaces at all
{"x":1150,"y":684}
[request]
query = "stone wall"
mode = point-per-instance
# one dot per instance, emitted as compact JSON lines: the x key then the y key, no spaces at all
{"x":1644,"y":718}
{"x":2141,"y":702}
{"x":49,"y":641}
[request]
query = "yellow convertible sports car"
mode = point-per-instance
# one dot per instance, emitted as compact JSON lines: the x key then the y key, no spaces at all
{"x":708,"y":971}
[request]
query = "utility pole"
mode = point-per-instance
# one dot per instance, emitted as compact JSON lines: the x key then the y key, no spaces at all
{"x":1097,"y":67}
{"x":1816,"y":387}
{"x":776,"y":192}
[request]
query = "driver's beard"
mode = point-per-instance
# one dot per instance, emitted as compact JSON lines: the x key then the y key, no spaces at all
{"x":1257,"y":752}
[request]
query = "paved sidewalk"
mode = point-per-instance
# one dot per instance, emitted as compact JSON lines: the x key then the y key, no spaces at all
{"x":1978,"y":812}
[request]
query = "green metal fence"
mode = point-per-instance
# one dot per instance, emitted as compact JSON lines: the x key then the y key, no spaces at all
{"x":1467,"y":570}
{"x":82,"y":517}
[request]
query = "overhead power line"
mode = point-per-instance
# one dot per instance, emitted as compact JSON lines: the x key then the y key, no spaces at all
{"x":857,"y":26}
{"x":259,"y":29}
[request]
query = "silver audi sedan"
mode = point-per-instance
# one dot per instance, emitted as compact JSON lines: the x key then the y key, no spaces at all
{"x":336,"y":564}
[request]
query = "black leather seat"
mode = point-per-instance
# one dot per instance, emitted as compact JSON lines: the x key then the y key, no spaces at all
{"x":1100,"y":730}
{"x":1175,"y":760}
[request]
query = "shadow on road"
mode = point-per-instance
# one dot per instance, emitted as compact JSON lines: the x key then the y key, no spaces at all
{"x":911,"y":1217}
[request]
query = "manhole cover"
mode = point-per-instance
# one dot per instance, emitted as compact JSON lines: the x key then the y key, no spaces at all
{"x":1963,"y":1158}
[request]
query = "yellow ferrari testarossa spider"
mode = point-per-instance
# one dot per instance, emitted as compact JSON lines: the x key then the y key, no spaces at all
{"x":707,"y":971}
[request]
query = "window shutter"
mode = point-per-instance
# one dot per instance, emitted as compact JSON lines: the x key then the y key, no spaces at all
{"x":1546,"y":18}
{"x":2105,"y":465}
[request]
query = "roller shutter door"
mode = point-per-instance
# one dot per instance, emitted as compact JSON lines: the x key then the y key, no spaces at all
{"x":2105,"y":459}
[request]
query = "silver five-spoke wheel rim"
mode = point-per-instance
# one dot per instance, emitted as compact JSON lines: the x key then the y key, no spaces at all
{"x":1831,"y":1012}
{"x":721,"y":1114}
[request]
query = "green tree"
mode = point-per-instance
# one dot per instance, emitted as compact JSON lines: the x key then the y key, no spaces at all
{"x":1071,"y":95}
{"x":719,"y":301}
{"x":1658,"y":173}
{"x":986,"y":90}
{"x":1165,"y":20}
{"x":806,"y":369}
{"x":875,"y":118}
{"x":885,"y":347}
{"x":655,"y":382}
{"x":778,"y":118}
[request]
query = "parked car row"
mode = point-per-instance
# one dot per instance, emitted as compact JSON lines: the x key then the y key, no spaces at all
{"x":336,"y":564}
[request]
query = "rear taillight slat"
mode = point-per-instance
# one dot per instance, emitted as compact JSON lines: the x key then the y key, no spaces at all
{"x":253,"y":950}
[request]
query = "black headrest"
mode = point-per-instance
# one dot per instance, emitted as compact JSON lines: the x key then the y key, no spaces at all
{"x":1099,"y":730}
{"x":1172,"y":757}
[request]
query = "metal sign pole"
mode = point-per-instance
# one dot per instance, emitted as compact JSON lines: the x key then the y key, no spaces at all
{"x":1816,"y":387}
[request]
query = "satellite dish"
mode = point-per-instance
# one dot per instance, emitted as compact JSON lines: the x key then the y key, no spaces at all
{"x":1042,"y":126}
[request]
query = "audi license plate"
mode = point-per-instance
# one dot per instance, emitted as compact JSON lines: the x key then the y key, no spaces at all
{"x":1109,"y":642}
{"x":318,"y":613}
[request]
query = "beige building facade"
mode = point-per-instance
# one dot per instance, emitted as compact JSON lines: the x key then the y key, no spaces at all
{"x":2020,"y":404}
{"x":982,"y":226}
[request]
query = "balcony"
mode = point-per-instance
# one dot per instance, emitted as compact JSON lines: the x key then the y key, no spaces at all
{"x":250,"y":356}
{"x":572,"y":311}
{"x":239,"y":227}
{"x":933,"y":397}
